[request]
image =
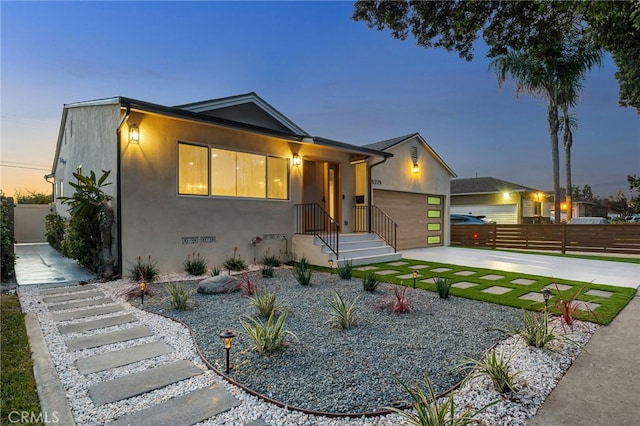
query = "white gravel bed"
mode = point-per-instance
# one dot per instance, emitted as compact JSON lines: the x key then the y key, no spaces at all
{"x":539,"y":370}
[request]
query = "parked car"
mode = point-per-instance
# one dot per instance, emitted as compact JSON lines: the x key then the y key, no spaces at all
{"x":467,"y":219}
{"x":589,"y":221}
{"x":473,"y":234}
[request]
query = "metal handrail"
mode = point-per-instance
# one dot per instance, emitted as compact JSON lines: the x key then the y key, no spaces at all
{"x":312,"y":219}
{"x":373,"y":219}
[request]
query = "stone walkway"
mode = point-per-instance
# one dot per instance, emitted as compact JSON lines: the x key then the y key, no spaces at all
{"x":86,"y":302}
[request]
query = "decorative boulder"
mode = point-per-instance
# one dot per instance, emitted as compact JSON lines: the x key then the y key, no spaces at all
{"x":219,"y":284}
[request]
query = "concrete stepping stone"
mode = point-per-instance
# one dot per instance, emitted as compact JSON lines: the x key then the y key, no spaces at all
{"x":145,"y":381}
{"x":523,"y":281}
{"x":599,"y":293}
{"x":85,"y":313}
{"x":397,"y":263}
{"x":431,"y":280}
{"x":561,"y":287}
{"x":73,"y":296}
{"x":96,"y":324}
{"x":367,"y":268}
{"x":496,"y":289}
{"x":463,"y":284}
{"x":586,"y":306}
{"x":387,"y":272}
{"x":81,"y":304}
{"x":406,"y":277}
{"x":189,"y":409}
{"x":87,"y":342}
{"x":464,"y":273}
{"x":534,"y":296}
{"x":67,"y":289}
{"x":420,"y":266}
{"x":120,"y":357}
{"x":492,"y":277}
{"x":438,"y":270}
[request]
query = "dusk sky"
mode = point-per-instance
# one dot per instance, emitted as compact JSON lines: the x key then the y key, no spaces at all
{"x":332,"y":76}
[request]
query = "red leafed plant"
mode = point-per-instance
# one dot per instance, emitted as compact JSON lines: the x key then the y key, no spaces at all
{"x":247,"y":287}
{"x":401,"y":302}
{"x":566,"y":306}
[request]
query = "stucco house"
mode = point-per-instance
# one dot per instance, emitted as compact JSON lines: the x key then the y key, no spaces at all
{"x":234,"y":175}
{"x":500,"y":201}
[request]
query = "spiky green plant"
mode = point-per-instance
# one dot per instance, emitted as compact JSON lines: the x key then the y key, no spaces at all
{"x":271,"y":260}
{"x":195,"y":265}
{"x":536,"y":331}
{"x":267,"y":271}
{"x":144,"y":270}
{"x":345,"y":269}
{"x":370,"y":281}
{"x":179,"y":295}
{"x":267,"y":336}
{"x":344,"y":312}
{"x":265,"y":302}
{"x":443,"y":285}
{"x":497,"y":368}
{"x":427,"y":411}
{"x":302,"y":273}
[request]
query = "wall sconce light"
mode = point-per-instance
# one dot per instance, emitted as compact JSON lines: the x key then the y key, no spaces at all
{"x":227,"y":340}
{"x":143,"y":286}
{"x":134,"y":134}
{"x":506,"y":195}
{"x":296,"y":160}
{"x":416,"y":168}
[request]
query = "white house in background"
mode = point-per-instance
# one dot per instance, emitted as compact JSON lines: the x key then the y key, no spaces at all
{"x":212,"y":176}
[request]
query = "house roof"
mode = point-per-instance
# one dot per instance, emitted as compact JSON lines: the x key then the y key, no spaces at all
{"x":486,"y":185}
{"x":390,"y":143}
{"x":190,"y":112}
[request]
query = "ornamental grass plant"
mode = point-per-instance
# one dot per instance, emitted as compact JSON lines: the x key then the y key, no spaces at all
{"x":344,"y":312}
{"x":267,"y":336}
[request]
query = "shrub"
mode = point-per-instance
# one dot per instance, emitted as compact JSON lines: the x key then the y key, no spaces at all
{"x":401,"y":302}
{"x":179,"y":295}
{"x":55,"y":226}
{"x":235,"y":263}
{"x":344,"y":313}
{"x":269,"y":336}
{"x":8,"y":255}
{"x":266,"y":303}
{"x":247,"y":287}
{"x":81,"y":242}
{"x":195,"y":265}
{"x":345,"y":269}
{"x":536,"y":331}
{"x":144,"y":270}
{"x":493,"y":366}
{"x":215,"y":271}
{"x":428,"y":412}
{"x":267,"y":271}
{"x":443,"y":285}
{"x":271,"y":260}
{"x":370,"y":281}
{"x":302,"y":273}
{"x":566,"y":305}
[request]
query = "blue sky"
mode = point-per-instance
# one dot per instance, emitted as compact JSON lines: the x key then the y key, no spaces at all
{"x":331,"y":75}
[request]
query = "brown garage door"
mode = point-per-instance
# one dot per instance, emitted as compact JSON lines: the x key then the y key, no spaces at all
{"x":419,"y":217}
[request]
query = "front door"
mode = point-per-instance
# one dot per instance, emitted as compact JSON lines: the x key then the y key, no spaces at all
{"x":321,"y":186}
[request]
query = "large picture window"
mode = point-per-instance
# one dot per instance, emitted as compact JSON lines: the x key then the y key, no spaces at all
{"x":221,"y":172}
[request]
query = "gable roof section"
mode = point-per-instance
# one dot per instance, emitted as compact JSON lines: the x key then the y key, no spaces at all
{"x":486,"y":185}
{"x":390,"y":143}
{"x":250,"y":106}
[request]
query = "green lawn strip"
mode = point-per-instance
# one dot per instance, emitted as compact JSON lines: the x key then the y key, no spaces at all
{"x":604,"y":314}
{"x":18,"y":391}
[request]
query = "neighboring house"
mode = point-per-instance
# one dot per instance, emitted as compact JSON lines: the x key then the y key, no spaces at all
{"x":498,"y":200}
{"x":235,"y":176}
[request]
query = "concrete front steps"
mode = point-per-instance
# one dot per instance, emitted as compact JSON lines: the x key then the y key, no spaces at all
{"x":187,"y":409}
{"x":359,"y":248}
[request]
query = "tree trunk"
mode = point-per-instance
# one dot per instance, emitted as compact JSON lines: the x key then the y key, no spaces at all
{"x":567,"y":140}
{"x":553,"y":125}
{"x":106,"y":223}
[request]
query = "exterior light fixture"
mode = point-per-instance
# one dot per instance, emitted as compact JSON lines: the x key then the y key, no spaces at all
{"x":506,"y":195}
{"x":134,"y":134}
{"x":227,"y":340}
{"x":546,"y":293}
{"x":415,"y":275}
{"x":416,"y":168}
{"x":143,"y":286}
{"x":331,"y":266}
{"x":296,"y":160}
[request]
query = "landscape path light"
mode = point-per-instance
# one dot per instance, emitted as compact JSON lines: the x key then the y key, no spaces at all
{"x":142,"y":285}
{"x":227,"y":340}
{"x":331,"y":266}
{"x":415,"y":275}
{"x":546,"y":293}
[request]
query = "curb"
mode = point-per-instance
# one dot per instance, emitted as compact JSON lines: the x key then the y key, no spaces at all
{"x":53,"y":400}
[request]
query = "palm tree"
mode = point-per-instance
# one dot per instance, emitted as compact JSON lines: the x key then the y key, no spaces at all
{"x":555,"y":75}
{"x":572,"y":73}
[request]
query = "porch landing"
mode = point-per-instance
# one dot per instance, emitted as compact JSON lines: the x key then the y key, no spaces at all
{"x":359,"y":248}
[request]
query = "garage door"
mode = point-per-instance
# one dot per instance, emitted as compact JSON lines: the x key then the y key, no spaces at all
{"x":419,"y":217}
{"x":502,"y":213}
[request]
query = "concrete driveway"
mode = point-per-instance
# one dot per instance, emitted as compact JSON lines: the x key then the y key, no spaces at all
{"x":617,"y":274}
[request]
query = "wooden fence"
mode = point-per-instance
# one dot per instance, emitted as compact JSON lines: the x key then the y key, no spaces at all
{"x":614,"y":238}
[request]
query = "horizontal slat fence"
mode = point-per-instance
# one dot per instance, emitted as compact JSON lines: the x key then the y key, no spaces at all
{"x":618,"y":238}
